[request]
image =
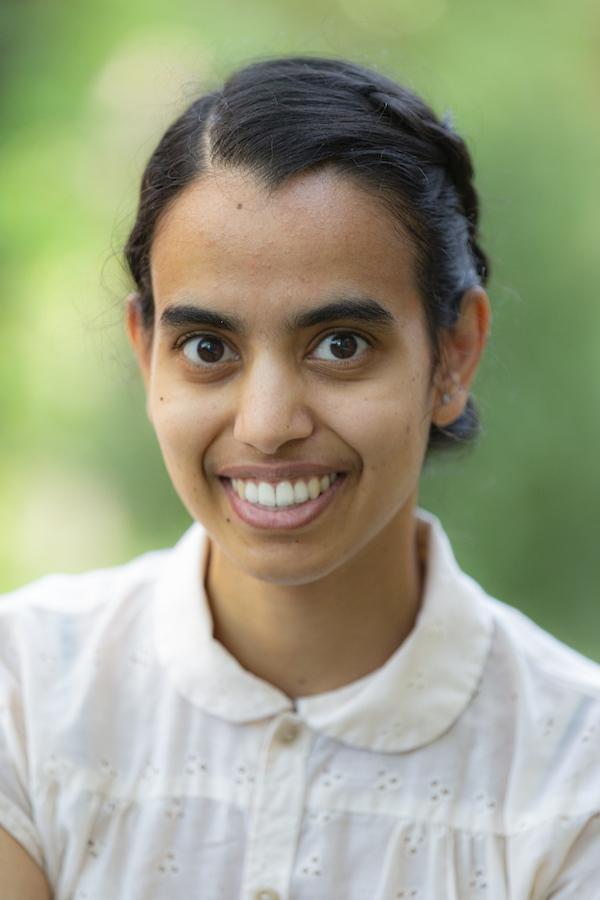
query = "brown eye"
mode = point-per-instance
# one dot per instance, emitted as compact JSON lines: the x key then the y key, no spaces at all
{"x":341,"y":345}
{"x":204,"y":350}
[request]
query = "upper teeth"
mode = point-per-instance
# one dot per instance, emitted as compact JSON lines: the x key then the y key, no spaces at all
{"x":282,"y":493}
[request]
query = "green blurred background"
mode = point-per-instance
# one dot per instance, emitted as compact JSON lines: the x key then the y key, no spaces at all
{"x":86,"y":91}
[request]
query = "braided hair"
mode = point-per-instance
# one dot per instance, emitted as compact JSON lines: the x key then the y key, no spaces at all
{"x":280,"y":117}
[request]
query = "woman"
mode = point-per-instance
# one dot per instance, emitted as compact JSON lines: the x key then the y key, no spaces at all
{"x":305,"y":698}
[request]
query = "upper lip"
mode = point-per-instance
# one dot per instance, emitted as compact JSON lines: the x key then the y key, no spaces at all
{"x":277,"y":471}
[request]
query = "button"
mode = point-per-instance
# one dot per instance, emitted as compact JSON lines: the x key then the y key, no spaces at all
{"x":266,"y":894}
{"x":287,"y":732}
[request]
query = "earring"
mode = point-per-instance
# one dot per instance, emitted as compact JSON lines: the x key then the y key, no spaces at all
{"x":445,"y":399}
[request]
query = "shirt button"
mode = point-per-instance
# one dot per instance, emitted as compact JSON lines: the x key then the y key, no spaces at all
{"x":287,"y":733}
{"x":266,"y":894}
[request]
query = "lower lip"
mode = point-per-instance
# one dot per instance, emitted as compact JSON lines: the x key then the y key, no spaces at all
{"x":286,"y":518}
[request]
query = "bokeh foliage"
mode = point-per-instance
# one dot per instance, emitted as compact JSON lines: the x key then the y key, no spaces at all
{"x":86,"y":90}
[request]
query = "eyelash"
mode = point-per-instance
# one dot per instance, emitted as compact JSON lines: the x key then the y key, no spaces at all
{"x":185,"y":339}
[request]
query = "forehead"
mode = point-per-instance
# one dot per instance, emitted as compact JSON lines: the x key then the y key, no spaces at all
{"x":316,"y":234}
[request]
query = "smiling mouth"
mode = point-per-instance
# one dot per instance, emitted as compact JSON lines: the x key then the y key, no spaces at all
{"x":282,"y":494}
{"x":283,"y":504}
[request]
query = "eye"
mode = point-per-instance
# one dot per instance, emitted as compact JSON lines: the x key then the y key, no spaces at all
{"x":205,"y":350}
{"x":340,"y":345}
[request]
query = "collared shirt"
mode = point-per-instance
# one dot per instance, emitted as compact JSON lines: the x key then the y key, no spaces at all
{"x":140,"y":761}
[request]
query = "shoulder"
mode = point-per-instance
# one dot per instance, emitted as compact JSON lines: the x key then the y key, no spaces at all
{"x":58,"y":618}
{"x":518,"y":664}
{"x":542,"y":656}
{"x":531,"y":730}
{"x":78,"y":594}
{"x":540,"y":699}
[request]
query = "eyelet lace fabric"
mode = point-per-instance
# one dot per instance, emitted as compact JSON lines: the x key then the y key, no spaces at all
{"x":138,"y":759}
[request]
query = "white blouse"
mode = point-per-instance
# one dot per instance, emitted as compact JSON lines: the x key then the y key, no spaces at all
{"x":140,"y":761}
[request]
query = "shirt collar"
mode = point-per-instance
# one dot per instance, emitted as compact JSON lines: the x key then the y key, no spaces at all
{"x":409,"y":701}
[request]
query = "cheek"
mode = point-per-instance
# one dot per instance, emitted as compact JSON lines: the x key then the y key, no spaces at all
{"x":389,"y":428}
{"x":185,"y":427}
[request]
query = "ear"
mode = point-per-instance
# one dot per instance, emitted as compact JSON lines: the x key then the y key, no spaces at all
{"x":140,"y":335}
{"x":462,"y":346}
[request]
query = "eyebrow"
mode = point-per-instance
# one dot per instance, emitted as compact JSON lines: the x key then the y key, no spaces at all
{"x":359,"y":309}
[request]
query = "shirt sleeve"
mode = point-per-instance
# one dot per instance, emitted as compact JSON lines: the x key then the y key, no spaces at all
{"x":16,"y":815}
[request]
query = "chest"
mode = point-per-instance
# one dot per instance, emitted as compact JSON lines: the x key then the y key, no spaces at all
{"x":173,"y":803}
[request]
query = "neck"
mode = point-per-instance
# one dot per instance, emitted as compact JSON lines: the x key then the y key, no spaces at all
{"x":311,"y":638}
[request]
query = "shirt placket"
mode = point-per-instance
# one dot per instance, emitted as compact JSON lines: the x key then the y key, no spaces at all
{"x":277,"y":810}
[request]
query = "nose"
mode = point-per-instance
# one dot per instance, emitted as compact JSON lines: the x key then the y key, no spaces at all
{"x":271,"y":407}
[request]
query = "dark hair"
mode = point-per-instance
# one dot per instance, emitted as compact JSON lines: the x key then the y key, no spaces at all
{"x":280,"y":117}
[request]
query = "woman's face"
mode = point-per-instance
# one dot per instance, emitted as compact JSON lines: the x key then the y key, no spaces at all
{"x":255,"y":371}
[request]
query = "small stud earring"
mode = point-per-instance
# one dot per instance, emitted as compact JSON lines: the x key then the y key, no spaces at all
{"x":445,"y":399}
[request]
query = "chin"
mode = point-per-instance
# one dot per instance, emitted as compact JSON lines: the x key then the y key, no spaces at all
{"x":287,"y":569}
